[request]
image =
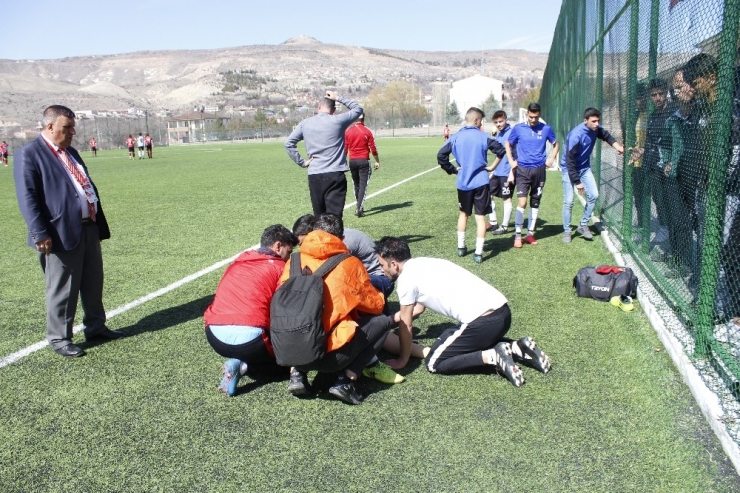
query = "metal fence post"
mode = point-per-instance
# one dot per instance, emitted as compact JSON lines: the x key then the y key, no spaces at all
{"x":599,"y":90}
{"x":630,"y":119}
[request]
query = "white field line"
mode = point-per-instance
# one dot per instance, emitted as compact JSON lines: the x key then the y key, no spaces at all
{"x":175,"y":285}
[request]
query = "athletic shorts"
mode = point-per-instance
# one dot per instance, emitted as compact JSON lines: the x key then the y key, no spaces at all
{"x":530,"y":181}
{"x":480,"y":199}
{"x":93,"y":148}
{"x":149,"y":148}
{"x":141,"y":148}
{"x":130,"y":149}
{"x":501,"y":188}
{"x":5,"y":155}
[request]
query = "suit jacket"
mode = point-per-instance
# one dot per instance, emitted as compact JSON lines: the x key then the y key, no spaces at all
{"x":48,"y":198}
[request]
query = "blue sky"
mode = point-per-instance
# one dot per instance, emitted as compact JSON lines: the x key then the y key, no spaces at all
{"x":52,"y":29}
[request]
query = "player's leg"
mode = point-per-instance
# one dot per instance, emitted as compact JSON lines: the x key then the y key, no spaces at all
{"x":335,"y":193}
{"x":482,"y":204}
{"x":592,"y":195}
{"x":465,"y":199}
{"x":364,"y":172}
{"x":494,"y":183}
{"x":523,"y":184}
{"x":476,"y":344}
{"x":567,"y":205}
{"x":535,"y":195}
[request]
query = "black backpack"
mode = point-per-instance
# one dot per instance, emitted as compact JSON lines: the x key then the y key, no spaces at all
{"x":296,"y":330}
{"x":590,"y":284}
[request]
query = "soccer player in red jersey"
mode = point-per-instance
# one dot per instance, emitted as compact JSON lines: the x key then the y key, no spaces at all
{"x":148,"y":145}
{"x":4,"y":152}
{"x":130,"y":144}
{"x":93,"y":147}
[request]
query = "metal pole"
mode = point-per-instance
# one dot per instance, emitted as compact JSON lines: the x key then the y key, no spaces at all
{"x":393,"y":126}
{"x":599,"y":92}
{"x":630,"y":123}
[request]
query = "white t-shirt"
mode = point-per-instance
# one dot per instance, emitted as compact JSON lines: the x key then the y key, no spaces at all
{"x":446,"y":288}
{"x":140,"y":141}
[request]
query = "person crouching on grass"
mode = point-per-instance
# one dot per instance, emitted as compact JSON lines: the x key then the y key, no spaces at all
{"x":482,"y":311}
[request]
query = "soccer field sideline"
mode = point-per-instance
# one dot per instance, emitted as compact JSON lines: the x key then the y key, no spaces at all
{"x":28,"y":350}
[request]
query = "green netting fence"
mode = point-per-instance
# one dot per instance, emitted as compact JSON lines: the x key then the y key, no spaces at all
{"x":665,"y":75}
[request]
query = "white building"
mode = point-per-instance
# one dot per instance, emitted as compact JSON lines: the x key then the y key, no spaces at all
{"x":474,"y":90}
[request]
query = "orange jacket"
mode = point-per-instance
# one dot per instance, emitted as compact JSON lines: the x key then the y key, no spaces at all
{"x":347,"y":288}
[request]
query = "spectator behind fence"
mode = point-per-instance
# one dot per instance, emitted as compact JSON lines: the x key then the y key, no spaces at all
{"x":701,"y":73}
{"x":238,"y":320}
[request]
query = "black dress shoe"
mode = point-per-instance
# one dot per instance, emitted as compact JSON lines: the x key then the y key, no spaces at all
{"x":69,"y":351}
{"x":105,"y":334}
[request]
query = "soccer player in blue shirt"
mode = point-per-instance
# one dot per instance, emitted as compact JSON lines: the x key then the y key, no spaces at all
{"x":530,"y":140}
{"x":470,"y":147}
{"x":502,"y":177}
{"x":576,"y":168}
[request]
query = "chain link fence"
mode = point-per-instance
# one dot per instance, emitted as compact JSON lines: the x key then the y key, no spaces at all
{"x":665,"y":75}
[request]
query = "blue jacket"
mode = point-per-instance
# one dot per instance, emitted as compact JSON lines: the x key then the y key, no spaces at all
{"x":48,"y":199}
{"x":470,"y":147}
{"x":579,"y":144}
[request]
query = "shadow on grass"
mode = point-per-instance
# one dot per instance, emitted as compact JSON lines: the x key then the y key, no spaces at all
{"x":387,"y":208}
{"x":164,"y":319}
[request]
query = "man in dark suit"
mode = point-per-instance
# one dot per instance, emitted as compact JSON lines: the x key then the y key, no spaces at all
{"x":65,"y":225}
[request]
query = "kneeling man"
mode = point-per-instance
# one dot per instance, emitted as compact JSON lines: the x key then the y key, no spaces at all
{"x":238,"y":320}
{"x":450,"y":290}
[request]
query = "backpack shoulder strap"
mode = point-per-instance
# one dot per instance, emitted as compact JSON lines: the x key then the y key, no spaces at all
{"x":330,"y":263}
{"x":295,"y":264}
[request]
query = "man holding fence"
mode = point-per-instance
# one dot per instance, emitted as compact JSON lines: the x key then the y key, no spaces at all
{"x":576,"y":168}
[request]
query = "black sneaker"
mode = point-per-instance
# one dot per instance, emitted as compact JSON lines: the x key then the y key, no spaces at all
{"x":528,"y":352}
{"x":500,"y":230}
{"x":345,"y":391}
{"x":461,"y":252}
{"x":298,"y":385}
{"x":505,"y":364}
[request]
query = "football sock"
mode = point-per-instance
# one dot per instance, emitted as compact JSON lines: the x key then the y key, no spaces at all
{"x":507,"y":214}
{"x":519,"y":220}
{"x":492,"y":215}
{"x":479,"y":245}
{"x":532,"y":219}
{"x":461,"y":239}
{"x":490,"y":357}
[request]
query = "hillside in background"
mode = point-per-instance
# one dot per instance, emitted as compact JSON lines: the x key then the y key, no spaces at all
{"x":260,"y":76}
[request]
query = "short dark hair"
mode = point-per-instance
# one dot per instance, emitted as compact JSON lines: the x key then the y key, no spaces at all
{"x":474,"y":109}
{"x":499,"y":114}
{"x":277,"y":232}
{"x":702,"y":65}
{"x":331,"y":223}
{"x":327,"y":103}
{"x":657,"y":84}
{"x":55,"y":111}
{"x":392,"y":248}
{"x":534,"y":108}
{"x":304,"y":225}
{"x":590,"y":112}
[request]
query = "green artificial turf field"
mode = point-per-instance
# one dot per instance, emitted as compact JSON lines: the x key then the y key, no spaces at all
{"x":143,"y":413}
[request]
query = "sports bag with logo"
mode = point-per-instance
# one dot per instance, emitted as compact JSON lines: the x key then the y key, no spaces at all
{"x":296,"y":331}
{"x":604,"y":282}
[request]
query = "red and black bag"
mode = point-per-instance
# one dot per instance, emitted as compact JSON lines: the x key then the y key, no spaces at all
{"x":604,"y":282}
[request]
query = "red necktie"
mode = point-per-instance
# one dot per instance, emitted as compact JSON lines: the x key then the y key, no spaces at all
{"x":81,"y":179}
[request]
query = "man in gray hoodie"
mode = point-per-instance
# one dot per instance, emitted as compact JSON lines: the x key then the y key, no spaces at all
{"x":323,"y":134}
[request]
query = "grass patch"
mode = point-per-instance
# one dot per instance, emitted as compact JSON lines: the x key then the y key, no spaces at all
{"x":143,"y":413}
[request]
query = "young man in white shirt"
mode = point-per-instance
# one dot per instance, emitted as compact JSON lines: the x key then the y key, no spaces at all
{"x":450,"y":290}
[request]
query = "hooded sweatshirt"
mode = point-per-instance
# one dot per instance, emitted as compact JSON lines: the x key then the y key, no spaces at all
{"x":347,"y":288}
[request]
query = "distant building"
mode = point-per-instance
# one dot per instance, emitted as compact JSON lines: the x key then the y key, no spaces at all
{"x":192,"y":127}
{"x":474,"y":90}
